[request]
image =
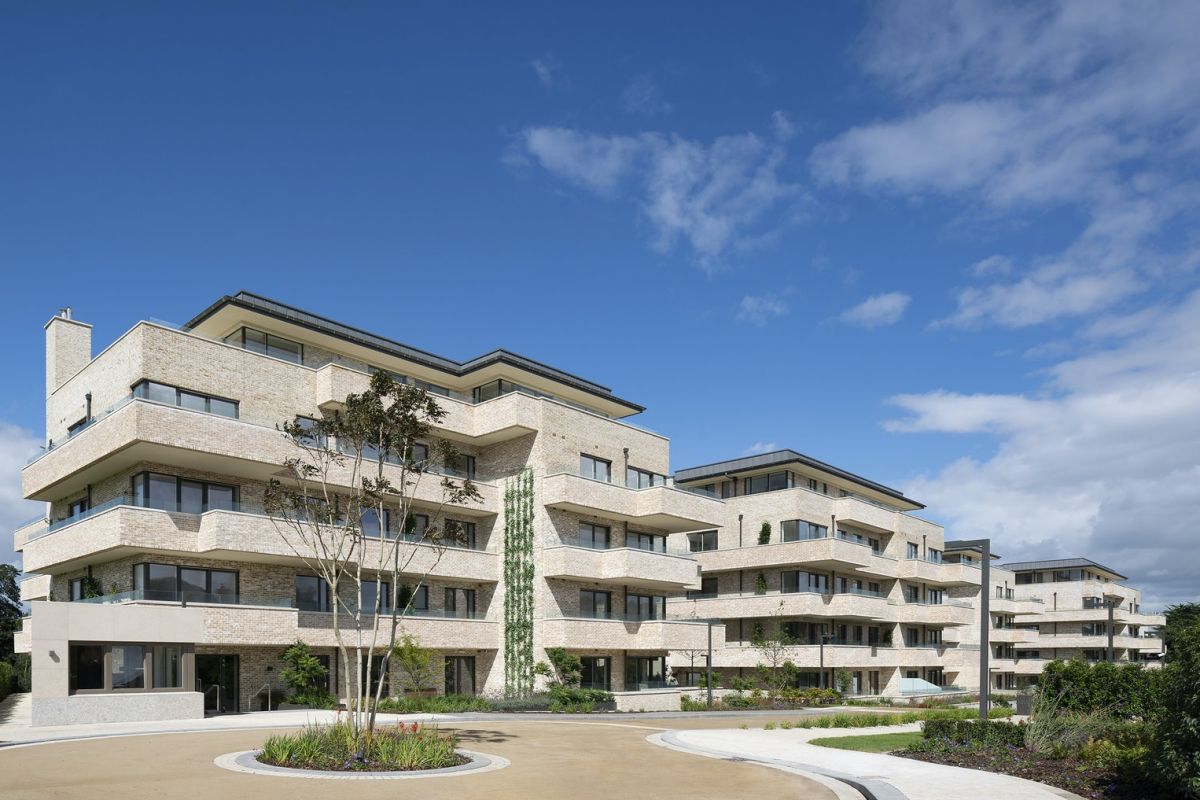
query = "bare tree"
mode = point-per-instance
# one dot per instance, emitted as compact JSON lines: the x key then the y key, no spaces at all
{"x":346,"y":508}
{"x":773,"y":645}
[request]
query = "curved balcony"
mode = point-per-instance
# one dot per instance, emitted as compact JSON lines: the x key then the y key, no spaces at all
{"x":145,"y":431}
{"x":938,"y":573}
{"x":121,"y":529}
{"x":866,"y":515}
{"x":791,"y":604}
{"x":941,"y":614}
{"x":663,"y":508}
{"x":826,"y":554}
{"x":622,"y":566}
{"x":586,"y":633}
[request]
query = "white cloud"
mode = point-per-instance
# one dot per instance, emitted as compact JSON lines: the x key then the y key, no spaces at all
{"x":642,"y":95}
{"x":877,"y":310}
{"x":992,"y":265}
{"x":760,"y":309}
{"x":1017,"y":109}
{"x":549,"y":72}
{"x":784,"y":128}
{"x":16,"y":446}
{"x":1100,"y":462}
{"x":722,"y":199}
{"x":758,"y":448}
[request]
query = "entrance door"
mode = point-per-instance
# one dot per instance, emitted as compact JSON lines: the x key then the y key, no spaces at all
{"x":217,"y":679}
{"x":460,"y":675}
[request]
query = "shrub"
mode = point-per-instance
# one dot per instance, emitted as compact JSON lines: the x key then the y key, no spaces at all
{"x":764,"y":533}
{"x":688,"y":704}
{"x":333,"y":747}
{"x":570,"y":699}
{"x":760,"y":583}
{"x":418,"y":665}
{"x":984,"y":733}
{"x":1177,"y":728}
{"x":740,"y":684}
{"x":537,"y":702}
{"x":1128,"y":690}
{"x":302,"y":672}
{"x":313,"y":697}
{"x":438,"y":704}
{"x":8,"y":679}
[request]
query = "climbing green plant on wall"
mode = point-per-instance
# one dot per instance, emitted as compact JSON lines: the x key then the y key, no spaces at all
{"x":518,"y":583}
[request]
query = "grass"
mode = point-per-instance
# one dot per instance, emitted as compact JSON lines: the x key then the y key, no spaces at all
{"x":872,"y":743}
{"x":334,"y":747}
{"x":869,"y":720}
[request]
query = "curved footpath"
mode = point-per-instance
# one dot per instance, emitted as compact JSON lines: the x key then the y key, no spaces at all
{"x":880,"y":776}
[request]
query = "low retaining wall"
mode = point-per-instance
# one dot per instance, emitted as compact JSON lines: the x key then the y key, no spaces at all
{"x":648,"y":700}
{"x":133,"y":707}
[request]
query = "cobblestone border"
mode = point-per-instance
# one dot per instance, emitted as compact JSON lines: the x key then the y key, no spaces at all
{"x":246,"y":761}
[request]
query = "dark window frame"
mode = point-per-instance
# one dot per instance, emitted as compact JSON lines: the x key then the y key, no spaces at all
{"x":238,"y":339}
{"x":141,"y":390}
{"x":595,"y":461}
{"x":142,"y":499}
{"x":186,"y":673}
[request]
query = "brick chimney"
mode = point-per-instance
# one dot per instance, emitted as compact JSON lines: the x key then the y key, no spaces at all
{"x":68,"y":348}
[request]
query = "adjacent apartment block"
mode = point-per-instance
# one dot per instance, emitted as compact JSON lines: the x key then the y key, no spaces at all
{"x":159,"y":587}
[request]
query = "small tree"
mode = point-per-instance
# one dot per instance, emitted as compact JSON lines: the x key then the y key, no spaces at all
{"x":565,"y":669}
{"x":304,"y":673}
{"x":1177,"y":756}
{"x":764,"y":533}
{"x":10,"y":607}
{"x":776,"y":670}
{"x":418,"y":665}
{"x":760,"y":584}
{"x":844,"y":681}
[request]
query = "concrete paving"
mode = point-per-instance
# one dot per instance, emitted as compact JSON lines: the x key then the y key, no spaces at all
{"x":906,"y":778}
{"x":550,"y":758}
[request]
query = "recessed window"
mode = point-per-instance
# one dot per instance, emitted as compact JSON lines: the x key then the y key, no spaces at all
{"x":172,"y":493}
{"x":702,"y":542}
{"x":376,"y":597}
{"x":267,"y":344}
{"x":797,"y":530}
{"x":913,"y":550}
{"x":594,"y":536}
{"x":174,"y":396}
{"x":594,"y":604}
{"x":646,"y":541}
{"x":645,"y":607}
{"x":312,"y":593}
{"x":643,"y":479}
{"x":95,"y":668}
{"x":172,"y":583}
{"x":595,"y":468}
{"x":87,"y":667}
{"x":459,"y":603}
{"x":773,"y":482}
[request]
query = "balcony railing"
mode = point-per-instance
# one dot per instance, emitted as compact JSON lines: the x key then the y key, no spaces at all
{"x":261,"y":600}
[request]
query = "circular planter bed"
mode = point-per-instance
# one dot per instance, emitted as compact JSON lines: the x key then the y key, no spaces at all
{"x":246,"y":761}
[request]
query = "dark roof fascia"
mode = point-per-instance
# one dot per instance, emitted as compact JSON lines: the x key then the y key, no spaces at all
{"x":955,"y":546}
{"x":329,"y":327}
{"x":1059,"y":563}
{"x":747,"y":463}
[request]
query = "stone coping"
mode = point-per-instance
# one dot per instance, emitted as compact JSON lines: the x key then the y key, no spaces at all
{"x":246,"y":761}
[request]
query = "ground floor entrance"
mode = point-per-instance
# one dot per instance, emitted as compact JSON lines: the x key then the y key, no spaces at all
{"x":217,"y":677}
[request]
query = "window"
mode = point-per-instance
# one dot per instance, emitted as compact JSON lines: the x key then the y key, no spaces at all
{"x":431,"y":388}
{"x":933,"y":555}
{"x":1095,"y":629}
{"x":912,"y":594}
{"x":462,"y":467}
{"x":76,"y":427}
{"x":170,"y":493}
{"x":645,"y":606}
{"x":463,"y":533}
{"x":420,"y":599}
{"x":933,"y":636}
{"x":371,"y":672}
{"x":646,"y":541}
{"x":76,"y":589}
{"x":460,"y":603}
{"x":914,"y":551}
{"x":377,"y":597}
{"x":595,"y":468}
{"x":818,"y":486}
{"x":767,"y":483}
{"x":594,"y":604}
{"x":795,"y":530}
{"x":167,"y":663}
{"x":418,"y":454}
{"x":799,"y":581}
{"x":79,"y":507}
{"x":308,"y":433}
{"x":708,"y":588}
{"x":124,"y":667}
{"x":460,"y":675}
{"x":370,"y":523}
{"x":641,"y":479}
{"x":416,"y":527}
{"x":594,"y":536}
{"x":933,"y":596}
{"x":267,"y":344}
{"x":595,"y":673}
{"x":86,"y":667}
{"x":174,"y":396}
{"x":172,"y":583}
{"x":726,"y":489}
{"x":702,"y":542}
{"x":312,"y":593}
{"x":645,"y":672}
{"x":128,"y":666}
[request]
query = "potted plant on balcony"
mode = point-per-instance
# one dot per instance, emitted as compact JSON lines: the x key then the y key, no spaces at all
{"x":764,"y":533}
{"x":760,"y":584}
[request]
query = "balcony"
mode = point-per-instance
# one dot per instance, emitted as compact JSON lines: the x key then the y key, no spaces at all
{"x":1077,"y":641}
{"x":865,"y":514}
{"x":1013,"y":635}
{"x":622,"y":566}
{"x":939,"y":573}
{"x":119,"y":528}
{"x":142,"y":430}
{"x":662,"y":508}
{"x":35,"y":587}
{"x":826,"y":554}
{"x":948,"y":613}
{"x":1009,"y":605}
{"x":792,"y":604}
{"x":586,"y":633}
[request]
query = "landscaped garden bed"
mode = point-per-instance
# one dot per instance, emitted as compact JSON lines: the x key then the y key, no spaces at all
{"x":391,"y":748}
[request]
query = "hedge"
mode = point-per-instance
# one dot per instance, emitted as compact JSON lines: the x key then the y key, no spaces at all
{"x":987,"y":733}
{"x":8,"y":679}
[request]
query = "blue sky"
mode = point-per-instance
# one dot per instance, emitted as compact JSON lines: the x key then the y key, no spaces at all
{"x":950,"y":247}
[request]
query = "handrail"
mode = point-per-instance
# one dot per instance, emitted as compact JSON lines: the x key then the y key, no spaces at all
{"x":216,"y":686}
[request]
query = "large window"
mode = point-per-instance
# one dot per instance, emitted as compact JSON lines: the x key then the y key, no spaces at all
{"x":172,"y":583}
{"x":708,"y":588}
{"x":596,"y":673}
{"x":172,"y":493}
{"x":645,"y":606}
{"x":94,"y":668}
{"x":594,"y":604}
{"x":377,"y":597}
{"x":642,"y":479}
{"x":595,"y":468}
{"x":174,"y":396}
{"x":460,"y":603}
{"x":702,"y":542}
{"x":800,"y":581}
{"x":767,"y":483}
{"x":460,"y":675}
{"x":646,"y":541}
{"x":268,"y":344}
{"x":645,"y":672}
{"x":796,"y":530}
{"x":594,"y":536}
{"x":312,"y":593}
{"x":371,"y":524}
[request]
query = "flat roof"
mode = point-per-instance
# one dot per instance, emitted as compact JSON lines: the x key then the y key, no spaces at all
{"x":780,"y":458}
{"x":320,"y":324}
{"x":956,"y":545}
{"x":1060,"y":563}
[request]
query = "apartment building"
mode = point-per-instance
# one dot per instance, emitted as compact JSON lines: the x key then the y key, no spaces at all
{"x":157,"y":454}
{"x":160,"y":588}
{"x":833,"y":561}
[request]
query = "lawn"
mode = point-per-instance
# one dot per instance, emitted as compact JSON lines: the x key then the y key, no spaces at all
{"x":873,"y":743}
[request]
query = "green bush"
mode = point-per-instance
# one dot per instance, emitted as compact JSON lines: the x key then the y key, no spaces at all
{"x":1177,"y":728}
{"x":984,"y":733}
{"x":537,"y":702}
{"x":570,"y":699}
{"x":333,"y":747}
{"x":437,"y":704}
{"x":312,"y":697}
{"x":688,"y":704}
{"x":8,"y":679}
{"x":1126,"y":690}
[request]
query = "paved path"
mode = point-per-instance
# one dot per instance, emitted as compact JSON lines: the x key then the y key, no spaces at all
{"x":550,"y":758}
{"x":888,"y":777}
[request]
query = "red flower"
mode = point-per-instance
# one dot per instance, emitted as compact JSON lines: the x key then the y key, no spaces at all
{"x":414,"y":727}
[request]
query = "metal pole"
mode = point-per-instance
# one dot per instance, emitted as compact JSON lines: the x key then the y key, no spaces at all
{"x":822,"y":662}
{"x":985,"y":623}
{"x":708,"y":679}
{"x":1110,"y":631}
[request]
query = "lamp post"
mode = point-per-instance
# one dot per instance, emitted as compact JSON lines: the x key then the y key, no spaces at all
{"x":985,"y":618}
{"x":825,"y":637}
{"x":708,"y":665}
